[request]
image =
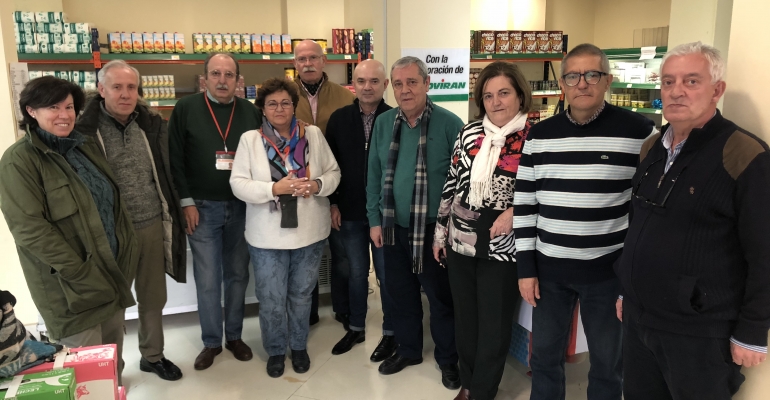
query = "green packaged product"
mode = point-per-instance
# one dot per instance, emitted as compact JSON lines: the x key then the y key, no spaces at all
{"x":26,"y":27}
{"x":50,"y":385}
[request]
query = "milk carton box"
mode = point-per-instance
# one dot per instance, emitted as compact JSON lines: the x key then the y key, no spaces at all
{"x":46,"y":385}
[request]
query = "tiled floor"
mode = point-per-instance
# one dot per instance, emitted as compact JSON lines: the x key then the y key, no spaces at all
{"x":350,"y":376}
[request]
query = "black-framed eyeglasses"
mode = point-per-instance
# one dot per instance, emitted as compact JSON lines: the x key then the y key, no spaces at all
{"x":635,"y":190}
{"x":591,"y":77}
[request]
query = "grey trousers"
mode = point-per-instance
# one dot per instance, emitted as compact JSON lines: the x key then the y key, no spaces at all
{"x":109,"y":331}
{"x":150,"y":287}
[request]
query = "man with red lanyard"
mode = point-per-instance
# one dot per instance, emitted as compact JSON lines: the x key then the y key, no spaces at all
{"x":204,"y":131}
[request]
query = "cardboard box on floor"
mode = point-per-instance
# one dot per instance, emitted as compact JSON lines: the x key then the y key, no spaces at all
{"x":96,"y":370}
{"x":49,"y":385}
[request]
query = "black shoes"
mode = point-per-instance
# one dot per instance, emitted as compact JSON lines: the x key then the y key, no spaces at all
{"x":164,"y":368}
{"x":314,"y":318}
{"x":450,"y":376}
{"x":240,"y":350}
{"x":300,"y":361}
{"x":347,"y":342}
{"x":206,"y":357}
{"x":396,"y":363}
{"x":385,"y":349}
{"x":275,"y":365}
{"x":344,"y":319}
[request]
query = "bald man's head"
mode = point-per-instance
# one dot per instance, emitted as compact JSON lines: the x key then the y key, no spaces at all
{"x":309,"y":60}
{"x":370,"y":82}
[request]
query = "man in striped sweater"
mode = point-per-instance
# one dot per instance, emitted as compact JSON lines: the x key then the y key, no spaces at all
{"x":570,"y":217}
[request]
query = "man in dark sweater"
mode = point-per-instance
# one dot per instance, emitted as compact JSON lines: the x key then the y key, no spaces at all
{"x":695,"y":269}
{"x":204,"y":131}
{"x":570,"y":216}
{"x":349,"y":133}
{"x":409,"y":159}
{"x":134,"y":140}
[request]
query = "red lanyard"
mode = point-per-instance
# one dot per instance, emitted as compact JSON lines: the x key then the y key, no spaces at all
{"x":286,"y":149}
{"x":227,"y":132}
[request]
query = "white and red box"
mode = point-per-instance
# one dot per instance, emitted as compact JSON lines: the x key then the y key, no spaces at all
{"x":96,"y":370}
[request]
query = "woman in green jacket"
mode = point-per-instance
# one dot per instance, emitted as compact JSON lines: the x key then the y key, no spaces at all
{"x":74,"y":238}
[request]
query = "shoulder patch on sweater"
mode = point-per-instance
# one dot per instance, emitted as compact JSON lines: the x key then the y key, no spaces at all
{"x":648,"y":143}
{"x":739,"y":151}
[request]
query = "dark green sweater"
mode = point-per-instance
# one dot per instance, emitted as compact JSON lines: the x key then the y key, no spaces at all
{"x":442,"y":134}
{"x":194,"y":141}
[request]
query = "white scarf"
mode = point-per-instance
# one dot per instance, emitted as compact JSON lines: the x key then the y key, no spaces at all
{"x":486,"y":159}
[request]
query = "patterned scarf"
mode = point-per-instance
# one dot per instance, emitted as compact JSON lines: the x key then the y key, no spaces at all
{"x":298,"y":159}
{"x":419,"y":209}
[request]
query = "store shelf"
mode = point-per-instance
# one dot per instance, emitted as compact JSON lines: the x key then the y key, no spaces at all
{"x":516,"y":57}
{"x":644,"y":110}
{"x":170,"y":104}
{"x":625,"y":85}
{"x":47,"y":58}
{"x":170,"y":58}
{"x":632,"y":53}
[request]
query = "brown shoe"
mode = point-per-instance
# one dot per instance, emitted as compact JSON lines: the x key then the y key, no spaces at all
{"x":464,"y":394}
{"x":240,"y":350}
{"x":206,"y":357}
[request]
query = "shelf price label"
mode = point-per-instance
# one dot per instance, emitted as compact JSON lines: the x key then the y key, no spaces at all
{"x":658,"y":111}
{"x":175,"y":57}
{"x":265,"y":56}
{"x":628,"y":85}
{"x":657,"y":86}
{"x":633,"y":109}
{"x":489,"y":56}
{"x":348,"y":57}
{"x":154,"y":104}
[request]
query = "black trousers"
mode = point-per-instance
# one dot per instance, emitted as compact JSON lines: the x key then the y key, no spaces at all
{"x":485,"y":294}
{"x":667,"y":366}
{"x":404,"y":287}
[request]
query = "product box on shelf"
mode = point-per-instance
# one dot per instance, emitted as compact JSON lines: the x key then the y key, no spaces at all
{"x":179,"y":42}
{"x":148,"y":43}
{"x":267,"y":43}
{"x":53,"y":38}
{"x":502,"y":42}
{"x":95,"y":368}
{"x":115,"y":45}
{"x":23,"y":16}
{"x":168,"y":42}
{"x":557,"y":41}
{"x":473,"y":41}
{"x":487,"y":42}
{"x":26,"y":27}
{"x":256,"y":43}
{"x":50,"y":17}
{"x":543,"y":42}
{"x":157,"y":42}
{"x":208,"y":42}
{"x":530,"y":41}
{"x":237,"y":47}
{"x":198,"y":45}
{"x":76,"y":38}
{"x":79,"y":27}
{"x":45,"y":47}
{"x":25,"y":38}
{"x":137,"y":42}
{"x":218,"y":42}
{"x":45,"y":27}
{"x":276,"y":41}
{"x":45,"y":385}
{"x":517,"y":41}
{"x":227,"y":42}
{"x":28,"y":48}
{"x":65,"y":48}
{"x":286,"y":44}
{"x":125,"y":42}
{"x":246,"y":43}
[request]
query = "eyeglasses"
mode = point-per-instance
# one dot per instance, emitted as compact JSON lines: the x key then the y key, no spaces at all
{"x":635,"y":190}
{"x":591,"y":77}
{"x":216,"y":75}
{"x":312,"y":59}
{"x":273,"y":105}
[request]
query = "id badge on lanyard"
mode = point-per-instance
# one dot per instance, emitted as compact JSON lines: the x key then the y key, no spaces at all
{"x":225,"y":160}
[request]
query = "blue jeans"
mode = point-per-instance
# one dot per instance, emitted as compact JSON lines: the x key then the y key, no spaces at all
{"x":284,"y":282}
{"x":220,"y":255}
{"x":551,"y":323}
{"x":350,"y":274}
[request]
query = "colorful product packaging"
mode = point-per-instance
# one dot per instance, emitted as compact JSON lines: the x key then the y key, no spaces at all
{"x":256,"y":43}
{"x":286,"y":44}
{"x":198,"y":46}
{"x":95,"y":369}
{"x":158,"y":44}
{"x":218,"y":42}
{"x":267,"y":43}
{"x":137,"y":42}
{"x":149,"y":44}
{"x":227,"y":43}
{"x":48,"y":385}
{"x":236,"y":43}
{"x":246,"y":43}
{"x":125,"y":42}
{"x":276,"y":41}
{"x":208,"y":43}
{"x":179,"y":42}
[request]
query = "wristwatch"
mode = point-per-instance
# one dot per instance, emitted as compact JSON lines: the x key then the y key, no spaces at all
{"x":320,"y":185}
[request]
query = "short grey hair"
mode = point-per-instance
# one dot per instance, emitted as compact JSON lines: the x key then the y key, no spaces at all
{"x":404,"y":62}
{"x":712,"y":54}
{"x":102,"y":75}
{"x":587,"y":49}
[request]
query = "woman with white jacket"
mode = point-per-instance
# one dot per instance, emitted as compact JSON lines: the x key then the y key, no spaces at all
{"x":283,"y":172}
